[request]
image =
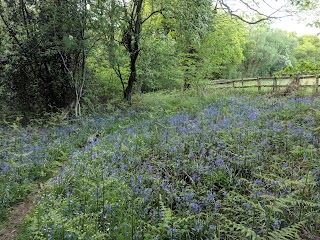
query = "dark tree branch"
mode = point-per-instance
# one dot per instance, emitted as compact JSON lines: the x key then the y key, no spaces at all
{"x":269,"y":5}
{"x":260,"y":13}
{"x":131,"y":40}
{"x":119,"y":74}
{"x":151,"y":14}
{"x":216,"y":5}
{"x":11,"y":31}
{"x":23,"y":11}
{"x":264,"y":17}
{"x":249,"y":22}
{"x":132,"y":18}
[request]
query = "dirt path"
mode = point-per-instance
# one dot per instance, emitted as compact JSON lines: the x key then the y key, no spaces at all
{"x":20,"y":211}
{"x":16,"y":217}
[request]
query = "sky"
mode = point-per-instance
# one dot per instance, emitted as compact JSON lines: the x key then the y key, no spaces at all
{"x":294,"y":25}
{"x":280,"y":9}
{"x":298,"y":22}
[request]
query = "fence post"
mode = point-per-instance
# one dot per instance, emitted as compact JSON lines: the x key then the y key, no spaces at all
{"x":275,"y":84}
{"x":242,"y":82}
{"x":317,"y":83}
{"x":233,"y":83}
{"x":259,"y":84}
{"x":298,"y":80}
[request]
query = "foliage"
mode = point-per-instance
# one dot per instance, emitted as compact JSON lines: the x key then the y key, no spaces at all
{"x":108,"y":48}
{"x":237,"y":168}
{"x":267,"y":51}
{"x":43,"y":62}
{"x":222,"y":48}
{"x":307,"y":57}
{"x":308,"y":49}
{"x":302,"y":68}
{"x":107,"y":84}
{"x":191,"y":23}
{"x":159,"y":64}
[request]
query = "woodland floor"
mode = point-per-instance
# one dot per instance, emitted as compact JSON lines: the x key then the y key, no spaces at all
{"x":16,"y":217}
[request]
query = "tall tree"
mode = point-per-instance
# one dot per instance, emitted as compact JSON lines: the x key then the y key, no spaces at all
{"x":193,"y":19}
{"x":308,"y":49}
{"x":267,"y":51}
{"x":123,"y":22}
{"x":131,"y":40}
{"x":131,"y":37}
{"x":222,"y":48}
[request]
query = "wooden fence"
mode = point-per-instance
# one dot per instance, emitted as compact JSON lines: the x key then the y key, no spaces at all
{"x":269,"y":82}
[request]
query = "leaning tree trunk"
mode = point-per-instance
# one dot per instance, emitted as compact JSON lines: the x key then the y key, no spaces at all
{"x":132,"y":78}
{"x":131,"y":40}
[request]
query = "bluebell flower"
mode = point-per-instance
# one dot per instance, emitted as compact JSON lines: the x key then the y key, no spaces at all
{"x":252,"y":116}
{"x":276,"y":225}
{"x":211,"y":197}
{"x":258,"y":182}
{"x":147,"y":193}
{"x":198,"y":227}
{"x":173,"y":230}
{"x":188,"y":197}
{"x":217,"y":205}
{"x":246,"y":205}
{"x":109,"y":211}
{"x":5,"y":168}
{"x":195,"y":207}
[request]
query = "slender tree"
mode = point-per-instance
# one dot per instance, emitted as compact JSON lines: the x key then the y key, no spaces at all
{"x":131,"y":38}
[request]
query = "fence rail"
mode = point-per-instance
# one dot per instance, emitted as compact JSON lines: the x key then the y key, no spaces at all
{"x":305,"y":81}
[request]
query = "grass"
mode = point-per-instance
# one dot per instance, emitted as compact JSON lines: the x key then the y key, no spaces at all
{"x":224,"y":166}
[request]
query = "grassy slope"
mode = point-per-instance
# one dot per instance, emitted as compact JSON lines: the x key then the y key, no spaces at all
{"x":177,"y":167}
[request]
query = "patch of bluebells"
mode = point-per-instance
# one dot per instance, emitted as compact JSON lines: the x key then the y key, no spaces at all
{"x":30,"y":155}
{"x":23,"y":161}
{"x":192,"y":175}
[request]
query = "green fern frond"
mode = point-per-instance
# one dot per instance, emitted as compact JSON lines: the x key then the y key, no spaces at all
{"x":234,"y":229}
{"x":234,"y":196}
{"x":299,"y":202}
{"x":288,"y":233}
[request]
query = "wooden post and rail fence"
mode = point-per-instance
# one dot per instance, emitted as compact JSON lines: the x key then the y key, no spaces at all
{"x":305,"y":81}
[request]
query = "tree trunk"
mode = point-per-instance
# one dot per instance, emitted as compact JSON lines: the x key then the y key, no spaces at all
{"x":131,"y":42}
{"x":133,"y":76}
{"x":128,"y":91}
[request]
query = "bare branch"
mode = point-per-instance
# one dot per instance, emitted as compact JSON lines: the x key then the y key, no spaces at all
{"x":151,"y":14}
{"x":216,"y":5}
{"x":269,"y":5}
{"x":11,"y":31}
{"x":263,"y":17}
{"x":260,"y":13}
{"x":65,"y":65}
{"x":134,"y":7}
{"x":119,"y":74}
{"x":249,"y":22}
{"x":23,"y":11}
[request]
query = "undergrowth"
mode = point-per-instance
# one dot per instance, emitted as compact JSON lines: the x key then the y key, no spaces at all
{"x":219,"y":168}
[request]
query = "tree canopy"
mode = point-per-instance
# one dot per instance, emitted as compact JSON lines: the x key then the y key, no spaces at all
{"x":60,"y":54}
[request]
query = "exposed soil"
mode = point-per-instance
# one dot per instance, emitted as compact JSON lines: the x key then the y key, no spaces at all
{"x":18,"y":213}
{"x":16,"y":217}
